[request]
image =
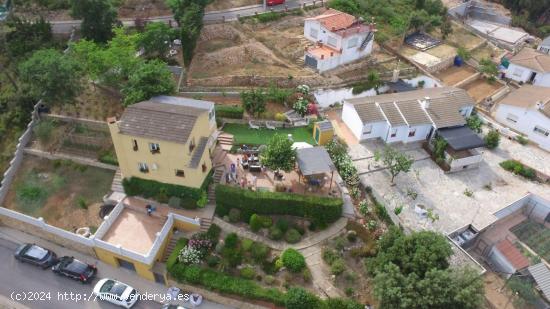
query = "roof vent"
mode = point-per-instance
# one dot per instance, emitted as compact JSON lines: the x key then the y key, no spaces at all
{"x":425,"y":103}
{"x":540,"y":104}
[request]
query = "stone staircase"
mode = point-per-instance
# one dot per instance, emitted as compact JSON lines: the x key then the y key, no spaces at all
{"x":205,"y":224}
{"x":116,"y":186}
{"x":226,"y":141}
{"x":170,"y":246}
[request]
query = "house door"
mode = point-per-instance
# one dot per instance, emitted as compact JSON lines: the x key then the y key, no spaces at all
{"x":126,"y":265}
{"x":532,"y":77}
{"x":317,"y":133}
{"x":311,"y":62}
{"x":159,"y":278}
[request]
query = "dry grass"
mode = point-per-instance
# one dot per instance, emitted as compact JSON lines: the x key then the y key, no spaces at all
{"x":481,"y":88}
{"x":455,"y":74}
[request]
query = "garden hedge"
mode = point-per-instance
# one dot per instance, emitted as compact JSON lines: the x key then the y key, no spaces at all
{"x":162,"y":191}
{"x":518,"y":168}
{"x":227,"y":111}
{"x":321,"y":210}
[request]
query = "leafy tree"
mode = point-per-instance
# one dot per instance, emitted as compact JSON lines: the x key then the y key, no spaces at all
{"x":440,"y":145}
{"x":27,"y":36}
{"x":191,"y":25}
{"x":299,"y":298}
{"x":51,"y":76}
{"x":474,"y":122}
{"x":415,"y":253}
{"x":254,"y":101}
{"x":395,"y":161}
{"x":156,"y":39}
{"x":279,"y":154}
{"x":492,"y":139}
{"x":463,"y":53}
{"x":98,"y":18}
{"x":149,"y":79}
{"x":488,"y":67}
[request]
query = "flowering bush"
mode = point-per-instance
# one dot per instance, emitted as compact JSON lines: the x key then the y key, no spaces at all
{"x":364,"y":207}
{"x":312,"y":109}
{"x":190,"y":256}
{"x":303,"y":89}
{"x":300,"y":106}
{"x":339,"y":155}
{"x":201,"y":245}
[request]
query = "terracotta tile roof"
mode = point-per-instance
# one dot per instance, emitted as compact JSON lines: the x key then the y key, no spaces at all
{"x":335,"y":20}
{"x":532,"y":59}
{"x":163,"y":118}
{"x":324,"y":51}
{"x":512,"y":254}
{"x":528,"y":96}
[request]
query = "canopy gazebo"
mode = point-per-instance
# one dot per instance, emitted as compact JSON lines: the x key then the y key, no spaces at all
{"x":314,"y":166}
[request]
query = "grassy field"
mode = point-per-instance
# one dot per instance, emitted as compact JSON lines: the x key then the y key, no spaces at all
{"x":65,"y":194}
{"x":535,"y":235}
{"x":244,"y":135}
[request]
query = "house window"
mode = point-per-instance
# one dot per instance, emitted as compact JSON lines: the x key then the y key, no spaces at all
{"x":518,"y":72}
{"x":180,"y":173}
{"x":204,"y":167}
{"x":192,"y":145}
{"x":211,"y":114}
{"x":154,"y":147}
{"x":393,"y":133}
{"x":352,"y":42}
{"x":135,"y":145}
{"x":331,"y":41}
{"x":512,"y":118}
{"x":313,"y":33}
{"x":541,"y":131}
{"x":412,"y":132}
{"x":367,"y":129}
{"x":143,"y":167}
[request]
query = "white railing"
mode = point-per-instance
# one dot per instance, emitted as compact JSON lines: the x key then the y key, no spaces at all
{"x":161,"y":236}
{"x":194,"y":221}
{"x":108,"y":220}
{"x":39,"y":222}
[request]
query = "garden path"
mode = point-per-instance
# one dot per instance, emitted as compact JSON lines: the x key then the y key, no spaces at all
{"x":319,"y":278}
{"x":310,"y":241}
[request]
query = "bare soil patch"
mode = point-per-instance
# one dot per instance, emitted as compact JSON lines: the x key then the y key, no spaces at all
{"x":95,"y":102}
{"x":65,"y":194}
{"x":496,"y":293}
{"x":455,"y":74}
{"x":481,"y":88}
{"x":143,"y":9}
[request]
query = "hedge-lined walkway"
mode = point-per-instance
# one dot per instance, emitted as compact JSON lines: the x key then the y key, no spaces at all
{"x":333,"y":230}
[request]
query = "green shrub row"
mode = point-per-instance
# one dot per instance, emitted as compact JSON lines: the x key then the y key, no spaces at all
{"x":173,"y":258}
{"x":226,"y":111}
{"x":321,"y":210}
{"x":108,"y":157}
{"x":519,"y":169}
{"x":222,"y":283}
{"x":158,"y":190}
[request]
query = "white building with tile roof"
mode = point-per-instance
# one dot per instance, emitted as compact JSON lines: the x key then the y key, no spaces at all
{"x":530,"y":66}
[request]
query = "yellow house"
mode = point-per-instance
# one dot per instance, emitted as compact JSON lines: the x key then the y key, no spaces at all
{"x":166,"y":139}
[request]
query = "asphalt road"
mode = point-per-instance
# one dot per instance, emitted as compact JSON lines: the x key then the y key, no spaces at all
{"x":21,"y":280}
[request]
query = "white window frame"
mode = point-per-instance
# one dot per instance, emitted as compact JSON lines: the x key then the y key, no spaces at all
{"x":367,"y":129}
{"x":412,"y":132}
{"x":143,"y":167}
{"x":314,"y":33}
{"x":542,"y":131}
{"x":512,"y":118}
{"x":393,"y":133}
{"x":332,"y":41}
{"x":353,"y":42}
{"x":154,"y":147}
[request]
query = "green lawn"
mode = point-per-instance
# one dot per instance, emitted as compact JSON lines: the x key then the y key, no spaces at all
{"x":244,"y":135}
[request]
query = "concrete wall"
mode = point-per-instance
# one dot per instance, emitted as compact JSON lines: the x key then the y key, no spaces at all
{"x":542,"y":80}
{"x":527,"y":120}
{"x":465,"y":163}
{"x":352,"y":120}
{"x":172,"y":156}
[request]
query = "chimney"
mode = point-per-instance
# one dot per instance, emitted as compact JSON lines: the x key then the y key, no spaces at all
{"x":425,"y":103}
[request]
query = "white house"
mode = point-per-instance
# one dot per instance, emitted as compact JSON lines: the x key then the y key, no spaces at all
{"x":530,"y":66}
{"x":544,"y":46}
{"x":527,"y":110}
{"x":339,"y":37}
{"x":407,"y":116}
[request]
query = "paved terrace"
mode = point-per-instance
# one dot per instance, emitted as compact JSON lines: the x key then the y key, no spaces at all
{"x":134,"y":230}
{"x":493,"y":188}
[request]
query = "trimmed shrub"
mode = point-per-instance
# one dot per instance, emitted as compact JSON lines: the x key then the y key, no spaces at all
{"x":246,"y":244}
{"x":293,"y":260}
{"x":248,"y":272}
{"x":231,"y":240}
{"x":227,"y":111}
{"x":306,"y":274}
{"x":518,"y":168}
{"x":266,"y":221}
{"x":212,"y":260}
{"x":233,"y":256}
{"x":213,"y":233}
{"x":259,"y":251}
{"x":321,"y":209}
{"x":173,"y":258}
{"x":134,"y":186}
{"x":299,"y":298}
{"x":329,"y":256}
{"x":337,"y":267}
{"x":234,"y":215}
{"x":292,"y":236}
{"x":492,"y":139}
{"x":275,"y":233}
{"x":269,"y":279}
{"x":282,"y":224}
{"x":255,"y":223}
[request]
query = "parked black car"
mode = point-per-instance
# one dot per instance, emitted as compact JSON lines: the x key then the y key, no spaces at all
{"x":33,"y":254}
{"x":75,"y":269}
